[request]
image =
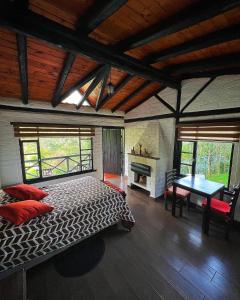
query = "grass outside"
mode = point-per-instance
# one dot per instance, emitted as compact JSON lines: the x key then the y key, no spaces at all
{"x":221,"y":178}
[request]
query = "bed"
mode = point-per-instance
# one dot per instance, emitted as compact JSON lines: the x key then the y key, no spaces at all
{"x":82,"y":207}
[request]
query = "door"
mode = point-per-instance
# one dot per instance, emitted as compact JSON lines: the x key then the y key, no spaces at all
{"x":31,"y":161}
{"x":112,"y":151}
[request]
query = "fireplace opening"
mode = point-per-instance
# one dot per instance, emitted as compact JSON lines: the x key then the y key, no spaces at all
{"x":140,"y":179}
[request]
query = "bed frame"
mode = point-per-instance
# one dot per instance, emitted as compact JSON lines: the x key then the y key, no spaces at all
{"x":13,"y":282}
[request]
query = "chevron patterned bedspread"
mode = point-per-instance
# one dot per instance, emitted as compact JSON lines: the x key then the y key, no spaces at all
{"x":82,"y":207}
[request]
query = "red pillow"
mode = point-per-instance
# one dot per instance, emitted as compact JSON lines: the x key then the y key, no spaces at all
{"x":23,"y":211}
{"x":25,"y":191}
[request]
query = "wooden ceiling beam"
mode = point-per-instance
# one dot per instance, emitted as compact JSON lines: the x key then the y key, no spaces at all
{"x":221,"y":62}
{"x":69,"y":60}
{"x":116,"y":90}
{"x":160,"y":99}
{"x":80,"y":83}
{"x":104,"y":83}
{"x":197,"y":94}
{"x":98,"y":77}
{"x":192,"y":15}
{"x":99,"y":12}
{"x":145,"y":99}
{"x":23,"y":65}
{"x":213,"y":73}
{"x":52,"y":32}
{"x":133,"y":94}
{"x":215,"y":38}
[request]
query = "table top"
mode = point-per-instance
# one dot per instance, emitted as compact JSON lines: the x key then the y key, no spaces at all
{"x":199,"y":185}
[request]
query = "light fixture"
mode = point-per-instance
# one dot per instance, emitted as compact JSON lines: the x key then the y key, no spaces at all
{"x":110,"y":86}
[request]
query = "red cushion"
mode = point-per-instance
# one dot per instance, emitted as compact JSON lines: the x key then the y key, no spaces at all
{"x":23,"y":211}
{"x":179,"y":192}
{"x":25,"y":192}
{"x":116,"y":188}
{"x":218,"y":206}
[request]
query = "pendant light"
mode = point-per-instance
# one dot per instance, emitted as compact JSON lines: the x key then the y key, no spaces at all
{"x":110,"y":86}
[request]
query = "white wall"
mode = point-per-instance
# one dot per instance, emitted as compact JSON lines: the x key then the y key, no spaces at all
{"x":223,"y":92}
{"x":10,"y":163}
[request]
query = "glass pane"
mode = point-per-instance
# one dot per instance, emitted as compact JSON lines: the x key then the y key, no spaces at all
{"x":186,"y":170}
{"x":87,"y":165}
{"x":30,"y":148}
{"x":213,"y":160}
{"x":86,"y":154}
{"x":60,"y":155}
{"x":186,"y":158}
{"x":31,"y":169}
{"x":86,"y":143}
{"x":187,"y":147}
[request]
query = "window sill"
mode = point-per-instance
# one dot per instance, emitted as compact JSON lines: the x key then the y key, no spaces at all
{"x":58,"y":176}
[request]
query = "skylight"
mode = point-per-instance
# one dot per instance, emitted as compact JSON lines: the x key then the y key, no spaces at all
{"x":74,"y":98}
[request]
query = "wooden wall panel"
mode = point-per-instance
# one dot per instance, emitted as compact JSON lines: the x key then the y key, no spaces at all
{"x":44,"y":65}
{"x":221,"y":49}
{"x":9,"y":69}
{"x":130,"y":87}
{"x":143,"y":94}
{"x":227,"y":19}
{"x":63,"y":12}
{"x":135,"y":16}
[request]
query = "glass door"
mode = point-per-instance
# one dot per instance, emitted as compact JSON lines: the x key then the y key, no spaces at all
{"x":31,"y":161}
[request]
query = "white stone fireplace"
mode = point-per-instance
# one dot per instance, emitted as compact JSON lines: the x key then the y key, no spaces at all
{"x":148,"y":183}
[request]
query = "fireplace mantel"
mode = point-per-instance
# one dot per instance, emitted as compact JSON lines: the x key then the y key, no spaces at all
{"x":149,"y":157}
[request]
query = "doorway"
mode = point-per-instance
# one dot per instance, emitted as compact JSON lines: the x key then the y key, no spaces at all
{"x":113,"y":153}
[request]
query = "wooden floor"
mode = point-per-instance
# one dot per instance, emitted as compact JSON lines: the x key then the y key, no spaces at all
{"x":161,"y":258}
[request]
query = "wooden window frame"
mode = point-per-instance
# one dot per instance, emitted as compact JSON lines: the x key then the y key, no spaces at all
{"x":195,"y":145}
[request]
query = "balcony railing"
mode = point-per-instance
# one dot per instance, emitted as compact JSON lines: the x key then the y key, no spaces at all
{"x":60,"y":165}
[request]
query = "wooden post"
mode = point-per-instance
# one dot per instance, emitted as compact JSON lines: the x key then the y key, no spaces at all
{"x":176,"y":143}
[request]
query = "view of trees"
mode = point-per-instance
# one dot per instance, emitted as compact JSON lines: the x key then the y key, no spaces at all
{"x":60,"y":155}
{"x":212,"y":160}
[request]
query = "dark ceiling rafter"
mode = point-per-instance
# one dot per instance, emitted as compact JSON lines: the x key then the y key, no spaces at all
{"x":145,"y":99}
{"x":212,"y":39}
{"x":96,"y":14}
{"x":133,"y":94}
{"x":80,"y":83}
{"x":99,"y":76}
{"x":23,"y":65}
{"x":116,"y":90}
{"x":104,"y":83}
{"x":197,"y":94}
{"x":187,"y":18}
{"x":69,"y":60}
{"x":99,"y":12}
{"x":224,"y":61}
{"x":52,"y":32}
{"x":212,"y":73}
{"x":160,"y":99}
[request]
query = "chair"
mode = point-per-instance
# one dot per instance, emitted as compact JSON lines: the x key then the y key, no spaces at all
{"x":181,"y":194}
{"x":222,"y":210}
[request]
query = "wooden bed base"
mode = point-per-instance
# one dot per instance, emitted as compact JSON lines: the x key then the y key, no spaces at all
{"x":13,"y":282}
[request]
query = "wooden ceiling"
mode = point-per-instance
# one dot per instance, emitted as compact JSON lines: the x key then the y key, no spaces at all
{"x":158,"y":43}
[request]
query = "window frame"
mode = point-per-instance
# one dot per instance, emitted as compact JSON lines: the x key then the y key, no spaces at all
{"x":195,"y":146}
{"x":41,"y":178}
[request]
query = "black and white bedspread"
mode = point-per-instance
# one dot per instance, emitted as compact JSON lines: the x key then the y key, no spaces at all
{"x":82,"y":207}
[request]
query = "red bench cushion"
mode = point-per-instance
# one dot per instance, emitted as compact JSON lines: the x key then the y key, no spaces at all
{"x":218,"y":206}
{"x":179,"y":192}
{"x":116,"y":188}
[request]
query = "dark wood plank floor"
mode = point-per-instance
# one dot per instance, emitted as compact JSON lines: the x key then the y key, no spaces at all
{"x":161,"y":258}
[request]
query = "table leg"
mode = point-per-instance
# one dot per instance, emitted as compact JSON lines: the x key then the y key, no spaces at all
{"x":206,"y":216}
{"x":221,"y":194}
{"x":174,"y":201}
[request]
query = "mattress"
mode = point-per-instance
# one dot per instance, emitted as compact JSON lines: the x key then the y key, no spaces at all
{"x":82,"y":207}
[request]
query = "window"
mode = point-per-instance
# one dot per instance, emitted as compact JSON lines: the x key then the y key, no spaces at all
{"x":212,"y":159}
{"x":50,"y":157}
